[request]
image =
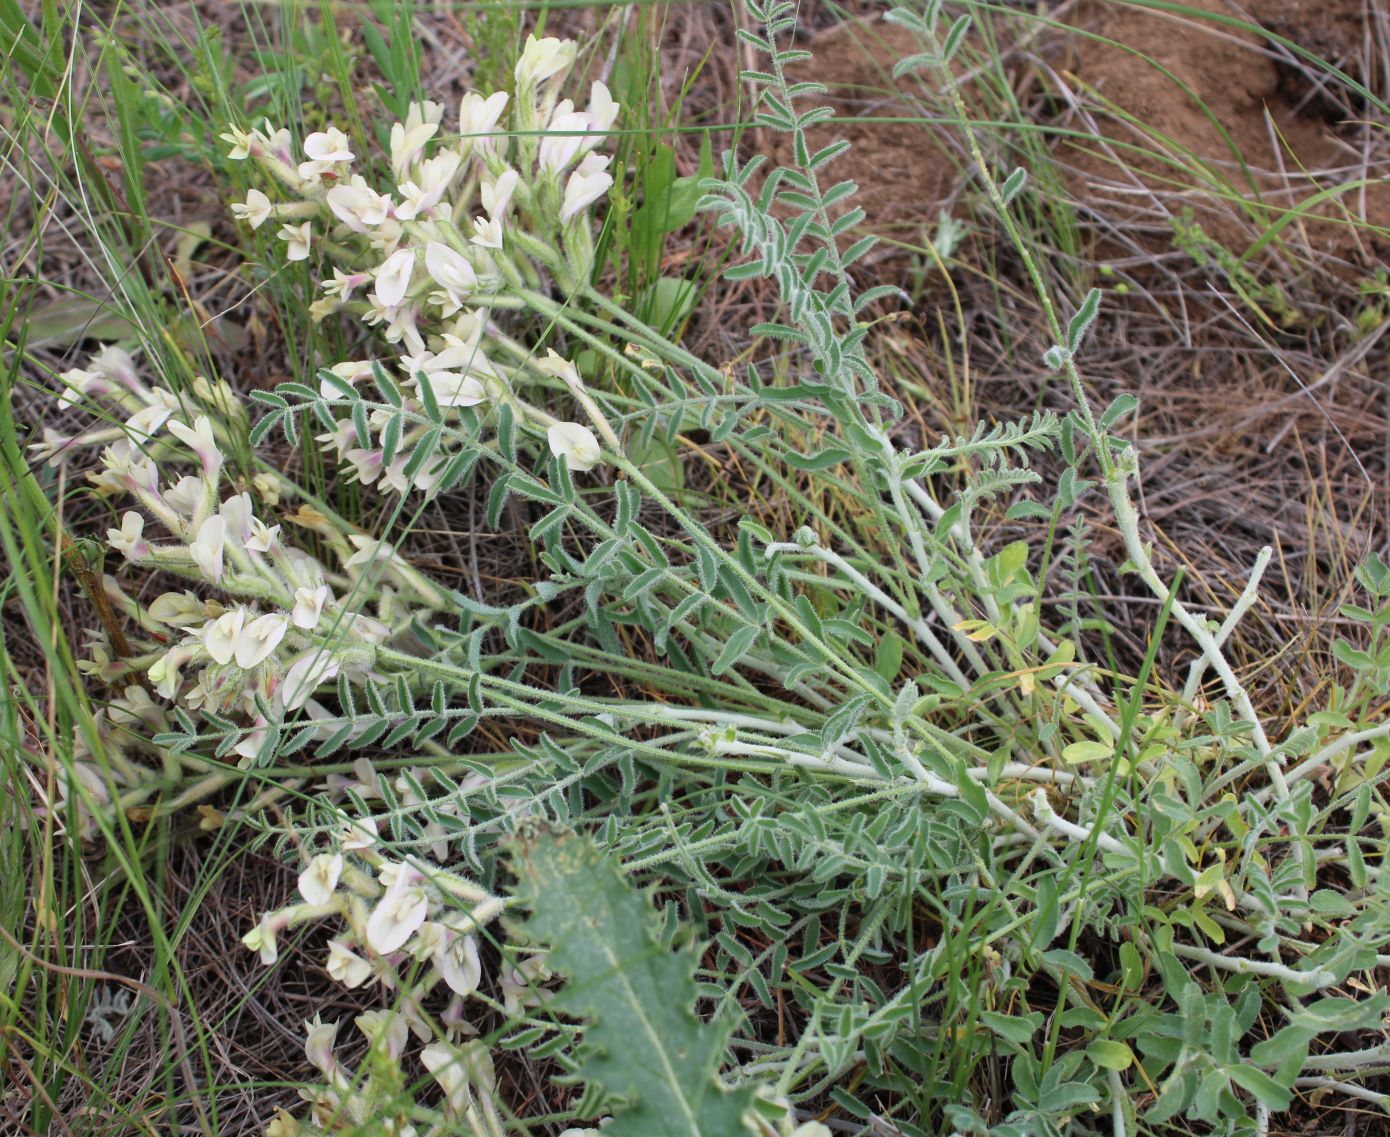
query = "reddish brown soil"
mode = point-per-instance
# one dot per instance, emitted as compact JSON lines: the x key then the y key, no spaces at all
{"x":1261,"y":129}
{"x":905,"y":170}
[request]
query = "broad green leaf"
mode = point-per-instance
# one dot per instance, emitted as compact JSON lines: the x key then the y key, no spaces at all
{"x":643,"y":1046}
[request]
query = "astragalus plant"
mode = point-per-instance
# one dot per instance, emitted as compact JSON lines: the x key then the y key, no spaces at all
{"x":950,"y":873}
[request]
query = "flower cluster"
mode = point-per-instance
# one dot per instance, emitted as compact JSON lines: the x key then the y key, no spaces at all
{"x":424,"y":253}
{"x":411,"y":931}
{"x":262,"y":625}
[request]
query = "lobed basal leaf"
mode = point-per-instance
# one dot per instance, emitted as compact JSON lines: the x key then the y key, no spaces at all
{"x":644,"y":1047}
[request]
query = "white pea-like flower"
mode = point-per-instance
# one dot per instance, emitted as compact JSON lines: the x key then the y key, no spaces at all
{"x":318,"y":1045}
{"x":319,"y":880}
{"x":255,"y":211}
{"x":186,"y":495}
{"x":451,"y":270}
{"x":308,"y":606}
{"x":297,"y":240}
{"x":345,"y":966}
{"x":262,"y":538}
{"x":393,"y":278}
{"x":164,"y":672}
{"x":259,"y":638}
{"x":261,"y":939}
{"x":541,"y":59}
{"x":431,"y":182}
{"x":388,"y":1029}
{"x":602,"y":113}
{"x":589,"y":182}
{"x":306,"y":675}
{"x":563,"y":137}
{"x":451,"y":1072}
{"x":399,"y":912}
{"x":454,"y":390}
{"x":357,"y":833}
{"x":329,"y":145}
{"x":487,"y":232}
{"x":357,"y":205}
{"x":478,"y":118}
{"x":456,"y":959}
{"x":129,"y":538}
{"x":576,"y":444}
{"x":201,"y":440}
{"x":408,"y":138}
{"x":557,"y":365}
{"x":324,"y":148}
{"x":220,"y":636}
{"x":240,"y":142}
{"x":496,"y":192}
{"x":208,"y":545}
{"x":178,"y":609}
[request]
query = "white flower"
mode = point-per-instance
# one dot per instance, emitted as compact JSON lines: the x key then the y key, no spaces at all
{"x":563,"y":137}
{"x":432,"y":181}
{"x":369,"y":551}
{"x":454,"y":390}
{"x":305,"y":675}
{"x":450,"y":1071}
{"x":399,"y":912}
{"x":329,"y":145}
{"x":346,"y":966}
{"x":389,"y":1026}
{"x":317,"y":882}
{"x":250,"y":746}
{"x":576,"y":444}
{"x":220,"y":636}
{"x":393,"y":278}
{"x":129,"y":539}
{"x":357,"y":833}
{"x":811,"y":1129}
{"x":136,"y":708}
{"x":256,"y":211}
{"x":557,"y":365}
{"x":542,"y":58}
{"x":496,"y":193}
{"x":200,"y":439}
{"x":164,"y":672}
{"x":178,"y":609}
{"x":207,"y":547}
{"x":589,"y":182}
{"x":452,"y":271}
{"x":51,"y":449}
{"x":297,"y":238}
{"x":263,"y":538}
{"x":324,"y":148}
{"x":487,"y":232}
{"x":408,"y":138}
{"x":186,"y":494}
{"x":261,"y":938}
{"x":240,"y":142}
{"x":318,"y":1046}
{"x":308,"y":606}
{"x":478,"y":118}
{"x":458,"y":962}
{"x":236,"y":510}
{"x":602,"y":113}
{"x":357,"y":205}
{"x":259,"y":638}
{"x":111,"y":362}
{"x":278,"y":140}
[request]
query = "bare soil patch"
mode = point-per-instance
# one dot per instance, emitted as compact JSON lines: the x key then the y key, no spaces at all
{"x":1178,"y":115}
